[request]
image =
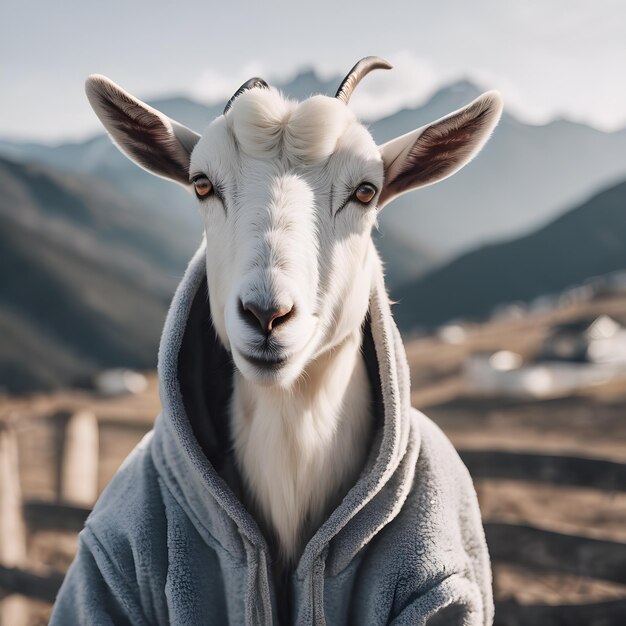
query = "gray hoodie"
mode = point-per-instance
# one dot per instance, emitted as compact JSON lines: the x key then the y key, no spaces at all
{"x":170,"y":542}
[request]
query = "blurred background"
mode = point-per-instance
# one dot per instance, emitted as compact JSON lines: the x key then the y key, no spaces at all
{"x":509,"y":278}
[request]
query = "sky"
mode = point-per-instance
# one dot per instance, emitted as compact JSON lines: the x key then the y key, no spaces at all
{"x":549,"y":58}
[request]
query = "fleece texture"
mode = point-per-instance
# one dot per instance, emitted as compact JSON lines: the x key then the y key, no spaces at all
{"x":170,"y":542}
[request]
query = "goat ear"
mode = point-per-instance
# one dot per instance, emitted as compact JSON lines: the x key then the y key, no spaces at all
{"x":438,"y":150}
{"x":155,"y":142}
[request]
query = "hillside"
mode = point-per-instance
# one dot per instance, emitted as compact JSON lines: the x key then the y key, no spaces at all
{"x":589,"y":240}
{"x":403,"y":259}
{"x":86,"y":276}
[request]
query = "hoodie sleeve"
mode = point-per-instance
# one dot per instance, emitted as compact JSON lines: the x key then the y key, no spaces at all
{"x":453,"y":602}
{"x":94,"y":592}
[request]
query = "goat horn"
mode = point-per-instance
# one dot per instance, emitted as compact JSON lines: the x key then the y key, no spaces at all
{"x":357,"y":73}
{"x":253,"y":83}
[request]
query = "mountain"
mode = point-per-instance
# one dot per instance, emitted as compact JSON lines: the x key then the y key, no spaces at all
{"x":402,"y":258}
{"x":587,"y":241}
{"x":86,"y":278}
{"x":98,"y":157}
{"x":525,"y":176}
{"x":405,"y":259}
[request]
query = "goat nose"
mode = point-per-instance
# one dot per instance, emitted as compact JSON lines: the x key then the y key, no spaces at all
{"x":267,"y":319}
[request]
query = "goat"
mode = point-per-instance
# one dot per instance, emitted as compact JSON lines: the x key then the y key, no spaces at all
{"x":289,"y":193}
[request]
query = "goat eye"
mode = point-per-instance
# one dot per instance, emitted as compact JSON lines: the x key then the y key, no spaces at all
{"x":365,"y":193}
{"x":202,"y":186}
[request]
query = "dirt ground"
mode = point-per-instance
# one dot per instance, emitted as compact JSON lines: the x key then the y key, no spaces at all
{"x":589,"y":423}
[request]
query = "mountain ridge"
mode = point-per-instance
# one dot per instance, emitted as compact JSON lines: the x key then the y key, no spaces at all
{"x":587,"y":241}
{"x":525,"y":176}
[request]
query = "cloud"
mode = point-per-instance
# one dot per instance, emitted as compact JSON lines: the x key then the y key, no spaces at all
{"x":213,"y":85}
{"x":515,"y":102}
{"x":412,"y":80}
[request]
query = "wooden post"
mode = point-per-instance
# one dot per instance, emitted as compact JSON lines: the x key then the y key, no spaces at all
{"x":12,"y":530}
{"x":13,"y":608}
{"x":79,"y":471}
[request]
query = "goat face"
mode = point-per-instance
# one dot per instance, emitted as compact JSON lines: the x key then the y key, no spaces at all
{"x":287,"y":236}
{"x":289,"y":193}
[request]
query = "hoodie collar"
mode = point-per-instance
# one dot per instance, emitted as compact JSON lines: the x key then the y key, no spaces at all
{"x":196,"y":480}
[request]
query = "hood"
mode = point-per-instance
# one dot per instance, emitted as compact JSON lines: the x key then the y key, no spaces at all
{"x":192,"y":447}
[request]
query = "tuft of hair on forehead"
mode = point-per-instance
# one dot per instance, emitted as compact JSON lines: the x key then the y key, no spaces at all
{"x":268,"y":125}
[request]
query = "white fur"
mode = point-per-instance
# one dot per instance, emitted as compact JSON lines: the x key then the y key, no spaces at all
{"x":264,"y":123}
{"x":283,"y":230}
{"x":301,"y":451}
{"x":299,"y":435}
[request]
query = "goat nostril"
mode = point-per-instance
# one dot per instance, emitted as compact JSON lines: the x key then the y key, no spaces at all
{"x":267,"y":319}
{"x":280,"y":317}
{"x":248,"y":314}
